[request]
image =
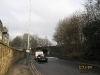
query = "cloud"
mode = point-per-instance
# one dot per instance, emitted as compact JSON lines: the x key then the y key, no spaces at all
{"x":45,"y":15}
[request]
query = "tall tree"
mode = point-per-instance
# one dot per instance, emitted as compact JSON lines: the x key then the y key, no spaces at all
{"x":91,"y":30}
{"x":92,"y":37}
{"x":69,"y":31}
{"x":92,"y":10}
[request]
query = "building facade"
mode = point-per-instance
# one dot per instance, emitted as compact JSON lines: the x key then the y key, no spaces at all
{"x":4,"y":36}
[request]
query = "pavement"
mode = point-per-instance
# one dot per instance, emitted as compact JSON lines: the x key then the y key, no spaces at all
{"x":20,"y":68}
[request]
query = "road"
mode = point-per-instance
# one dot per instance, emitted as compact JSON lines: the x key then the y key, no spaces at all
{"x":56,"y":66}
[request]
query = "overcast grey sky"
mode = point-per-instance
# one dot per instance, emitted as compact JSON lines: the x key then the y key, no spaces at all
{"x":44,"y":16}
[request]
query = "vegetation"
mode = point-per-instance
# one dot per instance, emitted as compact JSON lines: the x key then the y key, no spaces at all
{"x":92,"y":39}
{"x":35,"y":41}
{"x":79,"y":34}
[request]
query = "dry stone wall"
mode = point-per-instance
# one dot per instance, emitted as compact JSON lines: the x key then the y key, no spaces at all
{"x":8,"y":56}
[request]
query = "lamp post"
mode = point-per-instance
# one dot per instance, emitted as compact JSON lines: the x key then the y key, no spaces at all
{"x":29,"y":27}
{"x":28,"y":38}
{"x":28,"y":43}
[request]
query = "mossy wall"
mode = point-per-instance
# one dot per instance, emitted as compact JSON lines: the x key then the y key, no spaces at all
{"x":8,"y":56}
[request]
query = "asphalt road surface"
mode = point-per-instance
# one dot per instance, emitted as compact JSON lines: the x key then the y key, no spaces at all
{"x":56,"y":66}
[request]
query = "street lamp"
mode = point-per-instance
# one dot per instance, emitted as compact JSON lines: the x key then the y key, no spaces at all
{"x":28,"y":43}
{"x":28,"y":38}
{"x":29,"y":27}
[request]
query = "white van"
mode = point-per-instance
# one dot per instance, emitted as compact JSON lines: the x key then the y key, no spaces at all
{"x":37,"y":53}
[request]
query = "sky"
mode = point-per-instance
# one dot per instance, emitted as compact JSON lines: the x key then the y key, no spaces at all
{"x":44,"y":15}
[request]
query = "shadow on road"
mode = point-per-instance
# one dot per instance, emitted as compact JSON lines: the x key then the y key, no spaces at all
{"x":42,"y":62}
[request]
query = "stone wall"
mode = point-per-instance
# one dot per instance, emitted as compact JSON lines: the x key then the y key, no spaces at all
{"x":8,"y":56}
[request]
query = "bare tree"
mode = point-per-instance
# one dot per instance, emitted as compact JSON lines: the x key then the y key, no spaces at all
{"x":25,"y":40}
{"x":44,"y":42}
{"x":17,"y":42}
{"x":92,"y":9}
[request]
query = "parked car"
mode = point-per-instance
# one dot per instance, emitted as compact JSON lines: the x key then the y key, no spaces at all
{"x":42,"y":57}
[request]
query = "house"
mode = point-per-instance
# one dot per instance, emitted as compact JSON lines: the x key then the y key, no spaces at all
{"x":4,"y":36}
{"x":1,"y":29}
